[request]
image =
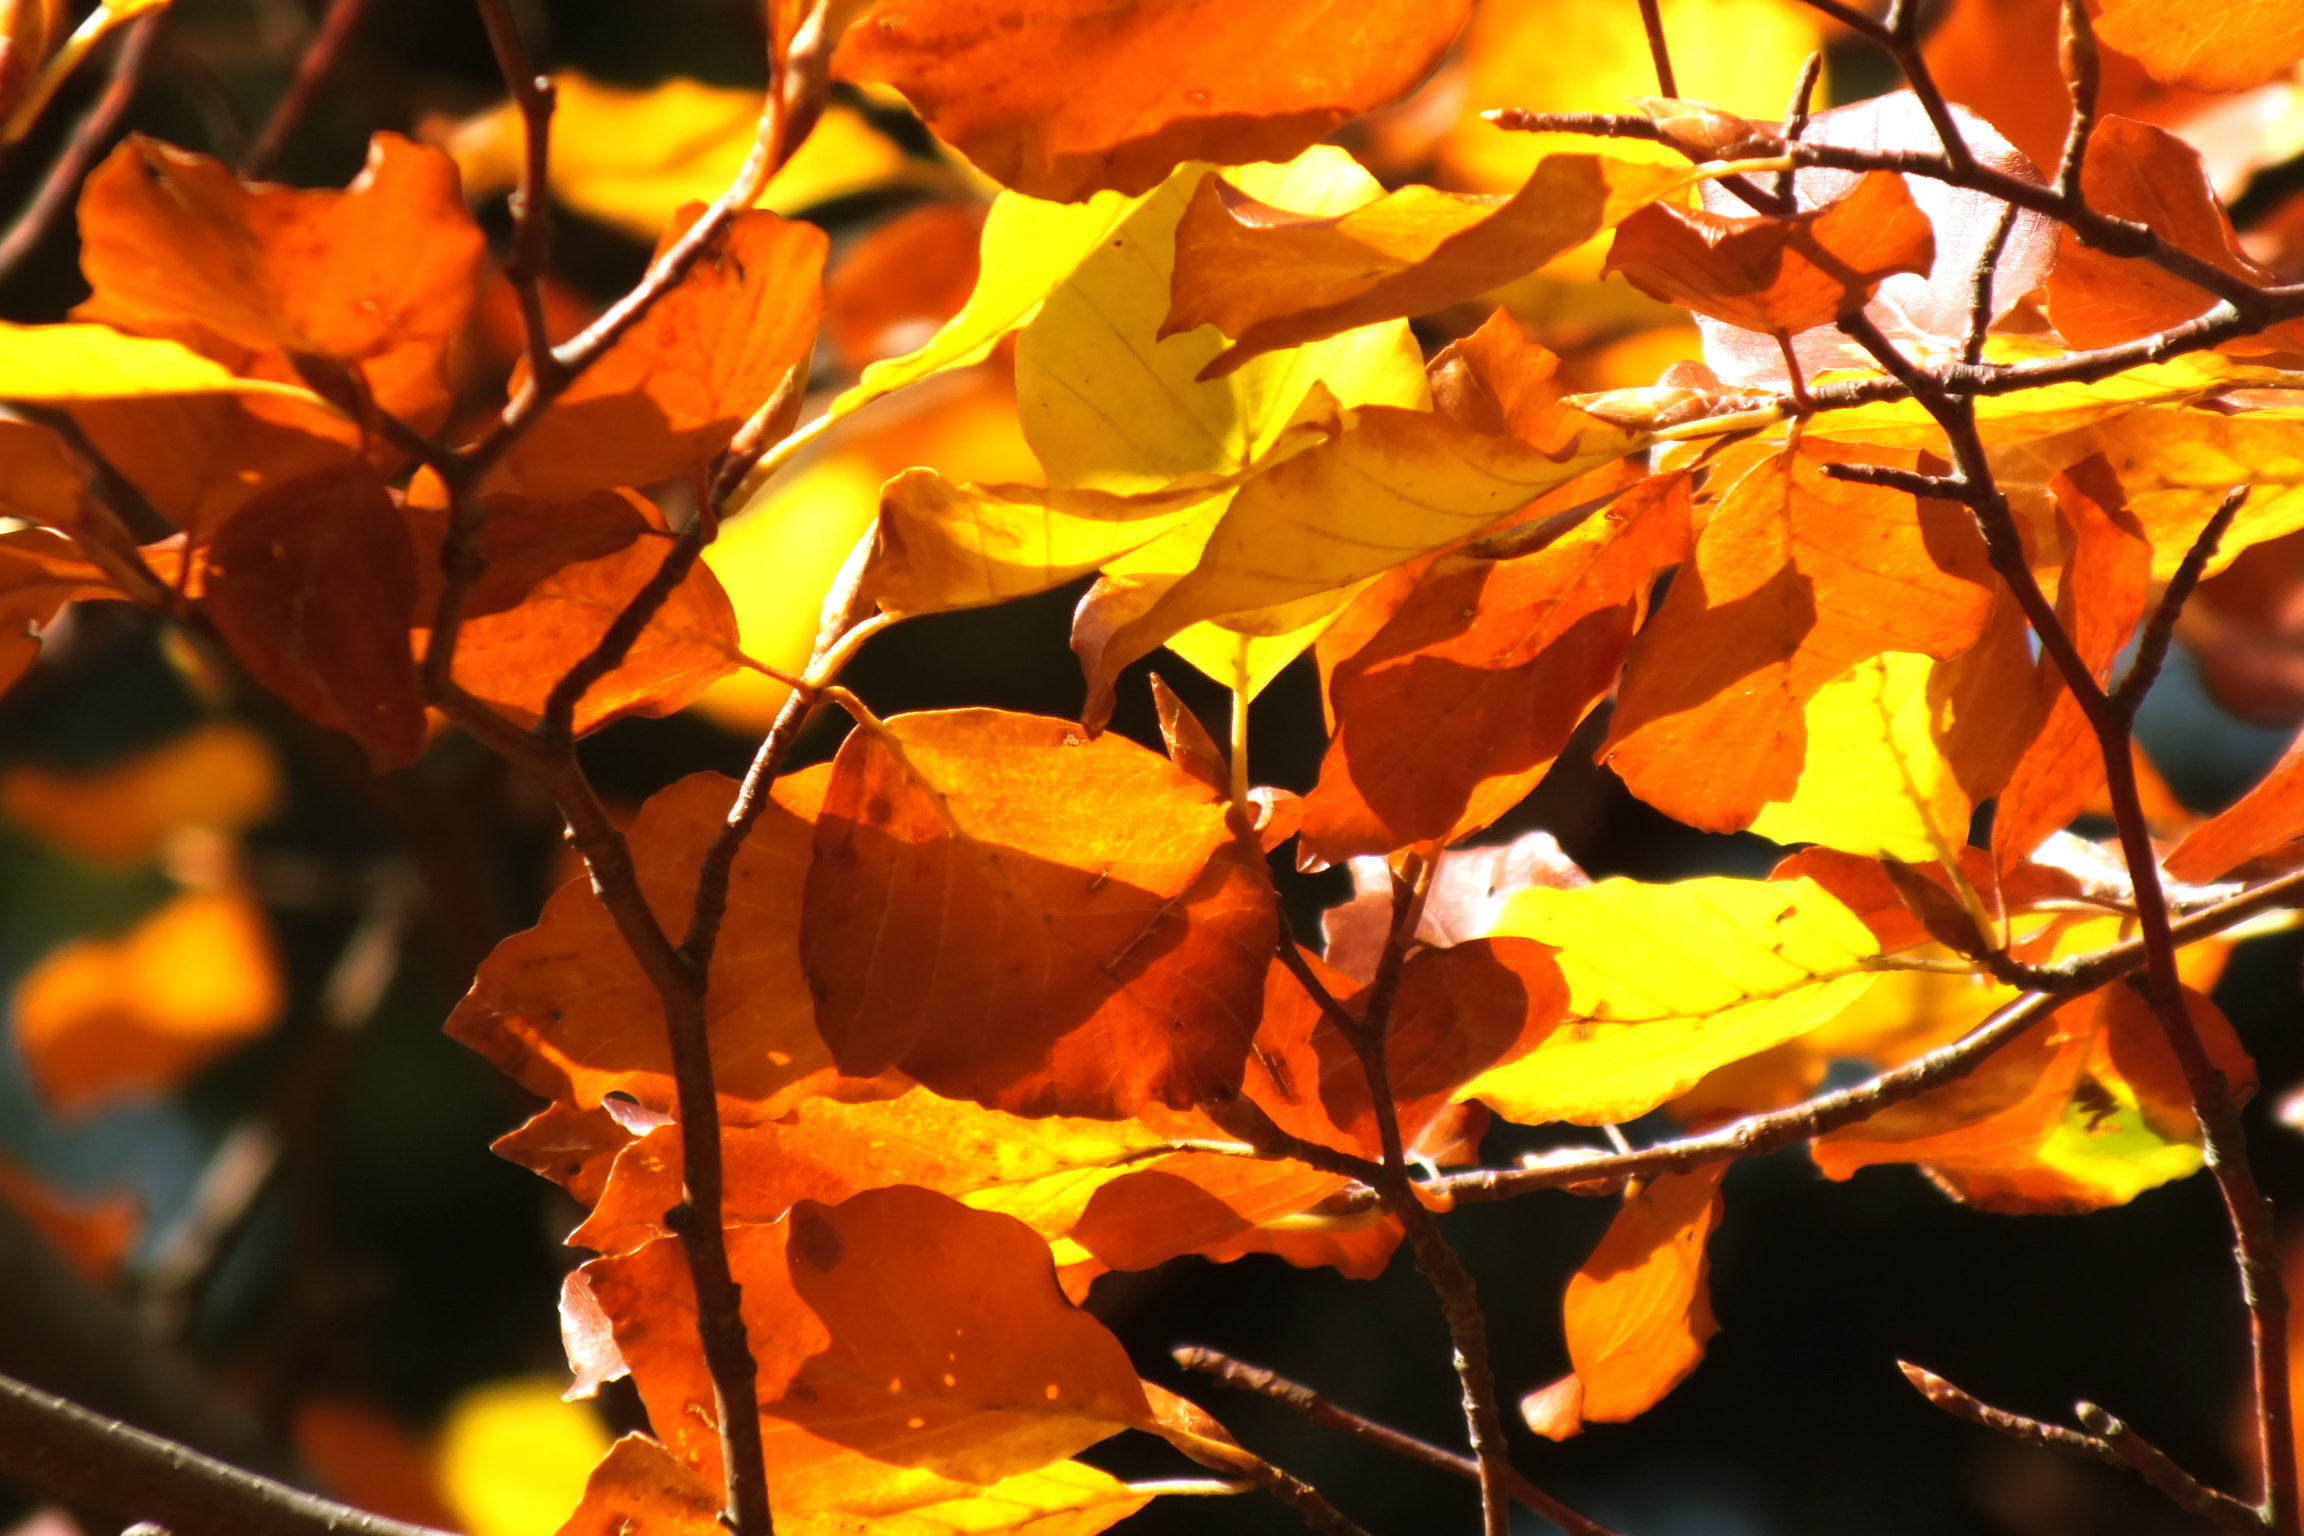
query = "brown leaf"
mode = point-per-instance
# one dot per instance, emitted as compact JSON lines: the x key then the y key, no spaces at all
{"x":2106,"y":584}
{"x":377,"y":278}
{"x":2148,"y":176}
{"x":39,"y":573}
{"x":1063,"y":100}
{"x":558,"y":575}
{"x":564,"y":1009}
{"x":1452,"y":712}
{"x":199,"y":459}
{"x":572,"y":1147}
{"x":1866,"y":888}
{"x":639,"y":1486}
{"x":1777,"y":275}
{"x":1012,"y":912}
{"x":672,"y":391}
{"x":1468,"y":890}
{"x":311,"y":585}
{"x":1796,"y":577}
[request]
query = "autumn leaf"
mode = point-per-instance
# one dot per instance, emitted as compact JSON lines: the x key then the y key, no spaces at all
{"x":39,"y":573}
{"x":2105,"y":585}
{"x":912,"y":273}
{"x":1080,"y":933}
{"x":632,"y":158}
{"x":2147,"y":176}
{"x":311,"y":584}
{"x":1796,"y":578}
{"x":574,"y":1148}
{"x":1065,"y":101}
{"x":1777,"y":275}
{"x":101,"y":1020}
{"x":558,"y":574}
{"x":376,"y":279}
{"x":1272,"y":277}
{"x":639,"y":1485}
{"x":220,"y":776}
{"x":94,"y":1236}
{"x":994,"y":1373}
{"x":200,"y":459}
{"x":672,"y":390}
{"x":1874,"y":781}
{"x":564,"y":1009}
{"x":1638,"y":1313}
{"x":2260,"y":825}
{"x":1457,"y":707}
{"x":2218,"y":45}
{"x":1667,"y":982}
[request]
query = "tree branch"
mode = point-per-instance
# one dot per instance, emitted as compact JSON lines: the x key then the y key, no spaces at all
{"x":312,"y":72}
{"x":1652,"y":21}
{"x":61,"y":185}
{"x":72,"y":1454}
{"x":2152,"y":649}
{"x":1319,"y":1410}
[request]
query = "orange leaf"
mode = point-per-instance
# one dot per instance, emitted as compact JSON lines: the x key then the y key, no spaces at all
{"x":105,"y":1019}
{"x":565,"y":1010}
{"x":1458,"y":706}
{"x":1796,"y":578}
{"x":1012,"y":912}
{"x":220,"y":776}
{"x":1638,"y":1313}
{"x":901,"y":281}
{"x":2151,"y":177}
{"x":572,"y":1147}
{"x":1066,"y":99}
{"x":1269,"y":278}
{"x":377,"y":278}
{"x":311,"y":585}
{"x":1778,"y":275}
{"x":2106,"y":583}
{"x":904,"y":1341}
{"x":200,"y":459}
{"x":559,"y":573}
{"x":39,"y":573}
{"x":640,"y":1486}
{"x":674,"y":388}
{"x":93,"y":1235}
{"x":2210,"y":45}
{"x":2262,"y":824}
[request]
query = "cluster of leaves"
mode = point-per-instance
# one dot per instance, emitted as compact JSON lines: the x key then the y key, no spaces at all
{"x":866,"y":1072}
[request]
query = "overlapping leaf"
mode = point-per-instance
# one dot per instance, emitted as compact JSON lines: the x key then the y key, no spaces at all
{"x":1068,"y":100}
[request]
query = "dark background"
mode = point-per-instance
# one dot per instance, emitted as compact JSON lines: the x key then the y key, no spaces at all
{"x":398,"y":1261}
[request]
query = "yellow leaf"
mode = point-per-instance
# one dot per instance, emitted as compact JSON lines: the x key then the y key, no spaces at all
{"x":1110,"y":406}
{"x":1574,"y":56}
{"x":1668,"y":982}
{"x":105,"y":1019}
{"x":631,"y":158}
{"x":514,"y":1457}
{"x":221,"y":777}
{"x":65,"y":363}
{"x":1065,"y":1498}
{"x":2176,"y":462}
{"x":1874,"y":782}
{"x":1388,"y":485}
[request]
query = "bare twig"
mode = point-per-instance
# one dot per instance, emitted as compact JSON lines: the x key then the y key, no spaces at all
{"x":1963,"y":1405}
{"x":2083,"y":73}
{"x":72,"y":1454}
{"x":2155,"y":1467}
{"x":312,"y":72}
{"x":1319,"y":1410}
{"x":2152,"y":649}
{"x":623,"y":631}
{"x":1980,"y":286}
{"x":61,"y":185}
{"x":1796,"y":123}
{"x":1652,"y":21}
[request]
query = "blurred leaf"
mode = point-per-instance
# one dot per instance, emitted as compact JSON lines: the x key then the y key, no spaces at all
{"x":221,"y":777}
{"x":513,"y":1457}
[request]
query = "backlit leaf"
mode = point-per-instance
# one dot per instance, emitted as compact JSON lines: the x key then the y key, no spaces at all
{"x":377,"y":278}
{"x":55,"y":364}
{"x":675,"y":387}
{"x":105,"y":1019}
{"x":564,"y":1009}
{"x":220,"y":776}
{"x":1068,"y":100}
{"x":1777,"y":275}
{"x":2218,"y":45}
{"x":1667,"y":982}
{"x":39,"y":573}
{"x":1079,"y":931}
{"x":1874,"y":781}
{"x":514,"y":1457}
{"x":2262,"y":824}
{"x":1796,"y":578}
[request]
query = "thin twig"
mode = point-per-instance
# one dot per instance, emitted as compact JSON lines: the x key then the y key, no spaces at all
{"x":1319,"y":1410}
{"x":623,"y":632}
{"x":1980,"y":286}
{"x":72,"y":1454}
{"x":2083,"y":73}
{"x":61,"y":186}
{"x":1964,"y":1405}
{"x":1652,"y":21}
{"x":2157,"y":1468}
{"x":531,"y":254}
{"x":312,"y":72}
{"x":1795,"y":124}
{"x":2152,"y":649}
